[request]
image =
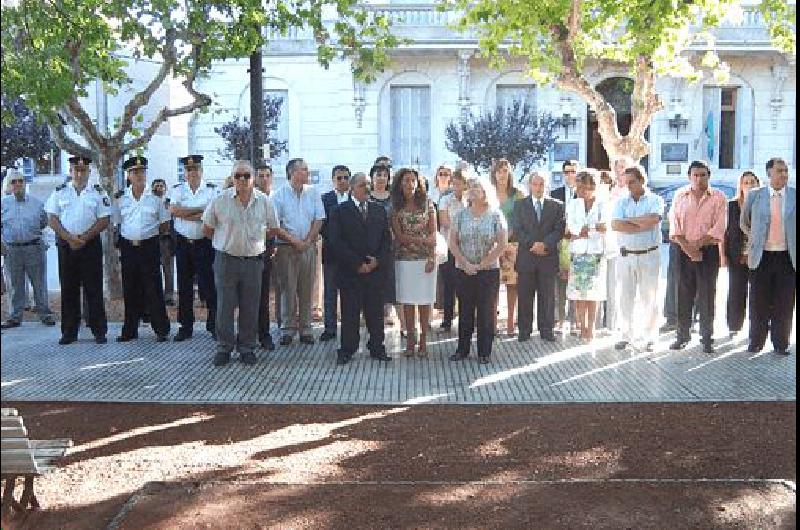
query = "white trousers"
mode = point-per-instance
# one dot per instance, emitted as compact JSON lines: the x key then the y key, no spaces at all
{"x":637,"y":285}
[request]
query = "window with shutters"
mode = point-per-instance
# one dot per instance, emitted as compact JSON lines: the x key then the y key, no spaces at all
{"x":411,"y":125}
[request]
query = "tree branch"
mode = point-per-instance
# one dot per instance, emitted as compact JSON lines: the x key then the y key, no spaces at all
{"x":79,"y":117}
{"x":646,"y":102}
{"x":63,"y":141}
{"x":141,"y":99}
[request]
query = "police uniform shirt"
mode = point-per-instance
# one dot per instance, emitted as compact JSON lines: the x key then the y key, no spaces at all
{"x":183,"y":196}
{"x":239,"y":230}
{"x":22,"y":220}
{"x":140,"y":219}
{"x":78,"y":212}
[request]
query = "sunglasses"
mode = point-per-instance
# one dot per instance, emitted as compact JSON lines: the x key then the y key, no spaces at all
{"x":342,"y":177}
{"x":17,"y":180}
{"x":245,"y":176}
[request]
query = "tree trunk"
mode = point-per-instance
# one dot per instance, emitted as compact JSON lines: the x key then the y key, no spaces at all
{"x":257,"y":135}
{"x":106,"y":166}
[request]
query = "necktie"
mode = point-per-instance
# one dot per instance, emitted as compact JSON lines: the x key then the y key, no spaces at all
{"x":775,"y":235}
{"x":363,"y":208}
{"x":538,"y":207}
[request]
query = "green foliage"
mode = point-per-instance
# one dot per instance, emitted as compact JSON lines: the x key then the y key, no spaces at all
{"x":237,"y":137}
{"x":24,"y":136}
{"x":610,"y":30}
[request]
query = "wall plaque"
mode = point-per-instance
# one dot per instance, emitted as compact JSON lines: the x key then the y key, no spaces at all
{"x":675,"y":152}
{"x":674,"y":169}
{"x":565,"y":151}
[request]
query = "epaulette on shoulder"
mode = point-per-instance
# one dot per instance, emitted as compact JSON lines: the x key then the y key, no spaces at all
{"x":119,"y":194}
{"x":210,"y":185}
{"x":98,"y":188}
{"x":61,"y":187}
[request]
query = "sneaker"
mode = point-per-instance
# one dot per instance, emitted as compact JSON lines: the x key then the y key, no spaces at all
{"x":221,"y":358}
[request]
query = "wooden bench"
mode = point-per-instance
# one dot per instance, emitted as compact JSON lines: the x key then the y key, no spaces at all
{"x":24,"y":458}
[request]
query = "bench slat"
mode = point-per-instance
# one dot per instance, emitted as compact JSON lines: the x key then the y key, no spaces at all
{"x":11,"y":421}
{"x":55,"y":442}
{"x":15,"y":443}
{"x":13,"y":432}
{"x":6,"y":411}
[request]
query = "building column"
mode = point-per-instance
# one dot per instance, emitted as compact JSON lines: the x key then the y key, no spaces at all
{"x":463,"y":83}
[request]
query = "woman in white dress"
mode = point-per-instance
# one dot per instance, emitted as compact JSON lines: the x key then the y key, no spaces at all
{"x":414,"y":228}
{"x":587,"y":222}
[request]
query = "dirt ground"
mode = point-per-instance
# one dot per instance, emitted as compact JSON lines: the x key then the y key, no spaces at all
{"x":345,"y":467}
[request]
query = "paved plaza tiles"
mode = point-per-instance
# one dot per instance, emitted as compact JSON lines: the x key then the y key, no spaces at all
{"x":35,"y":368}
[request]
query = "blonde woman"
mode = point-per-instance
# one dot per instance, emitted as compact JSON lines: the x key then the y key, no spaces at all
{"x":507,"y":194}
{"x":478,"y":237}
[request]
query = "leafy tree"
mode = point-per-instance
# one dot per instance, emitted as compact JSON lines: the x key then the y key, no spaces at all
{"x":53,"y":52}
{"x":238,"y":139}
{"x":25,"y":136}
{"x":562,"y":39}
{"x":515,"y":133}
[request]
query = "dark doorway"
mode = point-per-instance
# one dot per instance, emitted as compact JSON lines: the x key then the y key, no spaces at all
{"x":618,"y":92}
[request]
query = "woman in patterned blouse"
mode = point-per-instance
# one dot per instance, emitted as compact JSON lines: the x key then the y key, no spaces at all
{"x":414,"y":228}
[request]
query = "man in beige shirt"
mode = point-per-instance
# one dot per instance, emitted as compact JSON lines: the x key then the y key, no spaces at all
{"x":238,"y":222}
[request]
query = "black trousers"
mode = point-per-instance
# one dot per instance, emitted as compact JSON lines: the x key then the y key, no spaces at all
{"x":366,"y":296}
{"x":142,"y":290}
{"x":697,"y":285}
{"x":195,"y":258}
{"x":477,"y":304}
{"x":540,"y":284}
{"x":76,"y":269}
{"x":772,"y":299}
{"x":738,"y":276}
{"x":448,"y":269}
{"x":263,"y":305}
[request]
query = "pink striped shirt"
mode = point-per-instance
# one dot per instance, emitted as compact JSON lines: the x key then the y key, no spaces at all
{"x":695,"y":219}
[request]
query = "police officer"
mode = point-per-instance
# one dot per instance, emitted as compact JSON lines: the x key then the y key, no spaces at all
{"x":78,"y":214}
{"x":194,"y":254}
{"x":142,"y":217}
{"x":167,"y":245}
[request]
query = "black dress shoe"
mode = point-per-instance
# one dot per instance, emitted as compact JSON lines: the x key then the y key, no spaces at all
{"x":326,"y":336}
{"x":10,"y":323}
{"x":126,"y":338}
{"x":621,"y":345}
{"x":446,"y":326}
{"x":286,"y":340}
{"x":708,"y":347}
{"x":483,"y":359}
{"x":221,"y":358}
{"x":306,"y":339}
{"x":101,"y":339}
{"x":67,"y":340}
{"x":458,"y":356}
{"x":678,"y":344}
{"x":666,"y":328}
{"x":549,"y":337}
{"x":342,"y":360}
{"x":182,"y":335}
{"x":248,"y":358}
{"x":162,"y":338}
{"x":523,"y":337}
{"x":754,"y":349}
{"x":783,"y":351}
{"x":266,"y":342}
{"x":380,"y":357}
{"x":48,"y":320}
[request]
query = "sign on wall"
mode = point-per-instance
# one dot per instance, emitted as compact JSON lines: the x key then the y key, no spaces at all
{"x":675,"y":152}
{"x":565,"y":151}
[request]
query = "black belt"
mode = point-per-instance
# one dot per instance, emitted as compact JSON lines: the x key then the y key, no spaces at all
{"x":26,"y":244}
{"x":260,"y":256}
{"x":191,"y":241}
{"x":137,"y":242}
{"x":624,"y":251}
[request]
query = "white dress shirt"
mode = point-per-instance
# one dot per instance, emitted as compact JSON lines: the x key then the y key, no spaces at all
{"x":183,"y":196}
{"x":240,"y":230}
{"x":578,"y":217}
{"x":781,"y":245}
{"x":78,"y":212}
{"x":139,"y":219}
{"x":341,"y":197}
{"x":297,"y":212}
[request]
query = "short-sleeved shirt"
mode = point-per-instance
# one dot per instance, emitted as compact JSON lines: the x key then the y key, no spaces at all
{"x":297,"y":212}
{"x":183,"y":196}
{"x":78,"y":212}
{"x":695,"y":219}
{"x":450,"y":204}
{"x":22,"y":220}
{"x":627,"y":208}
{"x":140,"y":218}
{"x":578,"y":217}
{"x":240,"y":230}
{"x":477,"y":235}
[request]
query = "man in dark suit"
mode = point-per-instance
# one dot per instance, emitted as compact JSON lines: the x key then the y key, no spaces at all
{"x":359,"y":241}
{"x":565,"y":193}
{"x":538,"y":224}
{"x":341,"y":184}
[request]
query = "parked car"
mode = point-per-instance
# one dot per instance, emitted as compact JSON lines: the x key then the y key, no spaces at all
{"x":667,"y":192}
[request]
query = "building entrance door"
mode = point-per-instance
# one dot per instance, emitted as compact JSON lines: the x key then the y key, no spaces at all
{"x":617,"y":91}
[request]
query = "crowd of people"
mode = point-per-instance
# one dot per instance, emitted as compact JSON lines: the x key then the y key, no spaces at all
{"x":584,"y":255}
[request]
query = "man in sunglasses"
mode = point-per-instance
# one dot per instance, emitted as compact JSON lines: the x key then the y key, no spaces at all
{"x":23,"y":218}
{"x":238,"y":221}
{"x":339,"y":194}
